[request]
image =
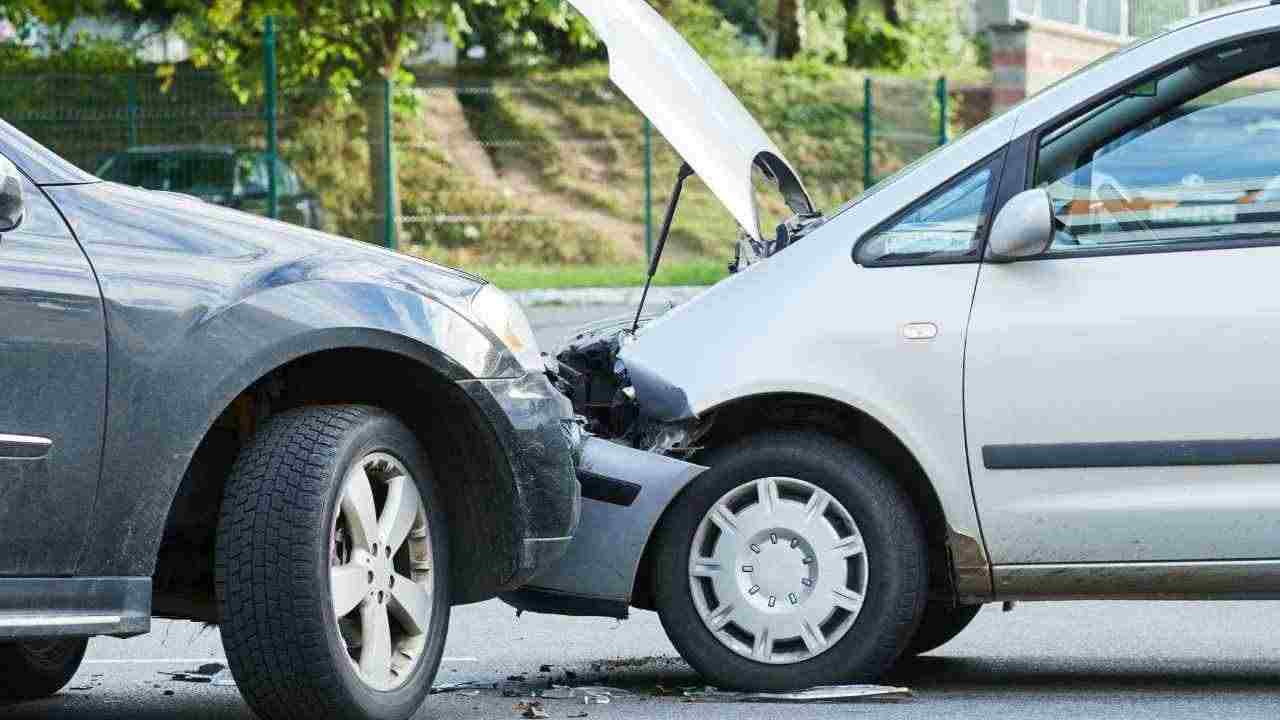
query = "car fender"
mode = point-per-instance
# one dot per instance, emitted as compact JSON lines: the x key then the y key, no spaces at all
{"x":202,"y":301}
{"x":158,"y":420}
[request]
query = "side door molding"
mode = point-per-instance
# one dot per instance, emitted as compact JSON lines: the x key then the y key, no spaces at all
{"x":24,"y":446}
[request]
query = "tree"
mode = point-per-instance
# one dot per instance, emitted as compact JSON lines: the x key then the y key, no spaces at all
{"x":791,"y":19}
{"x":852,"y":42}
{"x":354,"y":47}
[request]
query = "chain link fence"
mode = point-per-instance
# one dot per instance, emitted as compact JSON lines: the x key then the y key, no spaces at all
{"x":557,"y":167}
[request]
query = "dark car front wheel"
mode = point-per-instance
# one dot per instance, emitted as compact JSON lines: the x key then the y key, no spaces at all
{"x":332,"y":567}
{"x":794,"y":561}
{"x":34,"y":669}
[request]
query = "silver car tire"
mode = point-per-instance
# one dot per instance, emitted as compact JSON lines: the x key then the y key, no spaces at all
{"x":794,"y":561}
{"x":331,"y":568}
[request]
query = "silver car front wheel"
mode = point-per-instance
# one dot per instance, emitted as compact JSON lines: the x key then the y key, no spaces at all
{"x":795,"y":560}
{"x":778,"y":570}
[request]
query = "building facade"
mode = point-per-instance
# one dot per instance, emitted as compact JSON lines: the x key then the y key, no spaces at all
{"x":1036,"y":42}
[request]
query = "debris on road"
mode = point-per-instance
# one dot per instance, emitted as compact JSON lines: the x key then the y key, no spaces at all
{"x":463,"y":687}
{"x":558,"y":692}
{"x":212,"y":673}
{"x":532,"y":709}
{"x":821,"y":694}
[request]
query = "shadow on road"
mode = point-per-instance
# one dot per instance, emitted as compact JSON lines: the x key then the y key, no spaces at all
{"x":1066,"y":675}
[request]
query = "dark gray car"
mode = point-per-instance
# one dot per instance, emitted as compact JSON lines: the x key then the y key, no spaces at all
{"x":221,"y":174}
{"x":317,"y":444}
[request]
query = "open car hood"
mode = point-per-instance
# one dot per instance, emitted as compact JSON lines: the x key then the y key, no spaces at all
{"x":691,"y":106}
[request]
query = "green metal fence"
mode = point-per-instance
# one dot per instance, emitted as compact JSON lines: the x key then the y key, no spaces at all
{"x":552,"y":167}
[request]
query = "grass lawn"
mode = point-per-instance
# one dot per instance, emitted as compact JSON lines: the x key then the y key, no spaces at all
{"x":538,"y":277}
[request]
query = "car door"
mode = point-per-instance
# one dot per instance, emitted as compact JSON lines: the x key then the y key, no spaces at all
{"x":1122,"y":392}
{"x":53,"y":374}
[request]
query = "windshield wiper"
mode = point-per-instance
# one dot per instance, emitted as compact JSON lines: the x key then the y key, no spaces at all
{"x":686,"y":172}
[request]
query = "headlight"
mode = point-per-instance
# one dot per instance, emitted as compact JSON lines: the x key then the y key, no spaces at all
{"x":504,"y":318}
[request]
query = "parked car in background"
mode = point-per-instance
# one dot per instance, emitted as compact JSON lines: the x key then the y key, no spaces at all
{"x":220,"y":174}
{"x":1038,"y":364}
{"x":316,"y":444}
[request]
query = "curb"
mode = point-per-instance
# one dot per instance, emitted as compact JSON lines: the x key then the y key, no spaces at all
{"x":607,"y":296}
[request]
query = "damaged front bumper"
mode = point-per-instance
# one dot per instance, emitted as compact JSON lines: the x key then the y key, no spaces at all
{"x":541,"y":439}
{"x":625,"y":492}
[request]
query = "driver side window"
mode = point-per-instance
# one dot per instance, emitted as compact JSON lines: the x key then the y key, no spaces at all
{"x":1192,"y":158}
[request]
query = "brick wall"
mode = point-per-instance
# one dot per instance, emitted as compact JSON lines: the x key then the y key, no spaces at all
{"x":1032,"y":54}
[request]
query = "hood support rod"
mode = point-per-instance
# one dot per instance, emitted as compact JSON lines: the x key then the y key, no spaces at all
{"x":686,"y":172}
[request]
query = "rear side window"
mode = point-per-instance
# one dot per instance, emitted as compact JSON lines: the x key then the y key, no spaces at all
{"x":1191,"y":159}
{"x":287,"y":180}
{"x":193,"y":173}
{"x":251,"y":173}
{"x":944,"y":227}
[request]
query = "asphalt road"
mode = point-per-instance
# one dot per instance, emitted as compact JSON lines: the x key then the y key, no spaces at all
{"x":1046,"y":660}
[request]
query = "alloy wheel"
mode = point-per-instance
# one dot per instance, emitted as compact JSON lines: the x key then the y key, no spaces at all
{"x":380,"y":576}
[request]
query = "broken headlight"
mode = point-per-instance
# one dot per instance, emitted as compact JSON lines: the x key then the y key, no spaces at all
{"x":504,"y":317}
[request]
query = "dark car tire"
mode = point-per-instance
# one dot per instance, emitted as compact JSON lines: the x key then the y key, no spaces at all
{"x":894,"y":571}
{"x":285,"y":529}
{"x":941,"y":623}
{"x":34,"y":669}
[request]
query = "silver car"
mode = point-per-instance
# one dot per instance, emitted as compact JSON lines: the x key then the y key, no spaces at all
{"x":1042,"y":363}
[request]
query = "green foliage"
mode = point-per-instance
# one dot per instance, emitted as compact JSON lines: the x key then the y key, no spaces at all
{"x":928,"y":38}
{"x":706,"y":29}
{"x":83,"y":57}
{"x":745,"y":14}
{"x":344,"y":43}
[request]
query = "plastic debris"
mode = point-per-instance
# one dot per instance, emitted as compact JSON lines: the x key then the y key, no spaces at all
{"x":601,"y":689}
{"x":223,"y":678}
{"x":821,"y":694}
{"x":532,"y":709}
{"x":558,"y":692}
{"x":463,"y":687}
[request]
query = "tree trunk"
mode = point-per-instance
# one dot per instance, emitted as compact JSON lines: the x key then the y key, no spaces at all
{"x":381,"y":181}
{"x":892,"y":13}
{"x":791,"y":17}
{"x":852,"y":39}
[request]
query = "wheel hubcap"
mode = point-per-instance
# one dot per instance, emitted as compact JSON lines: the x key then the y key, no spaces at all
{"x":380,"y":578}
{"x":778,"y":570}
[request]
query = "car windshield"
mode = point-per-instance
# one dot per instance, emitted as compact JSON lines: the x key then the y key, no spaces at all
{"x":192,"y":173}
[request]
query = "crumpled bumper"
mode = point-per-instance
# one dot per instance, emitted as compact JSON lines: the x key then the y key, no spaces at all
{"x":541,"y":439}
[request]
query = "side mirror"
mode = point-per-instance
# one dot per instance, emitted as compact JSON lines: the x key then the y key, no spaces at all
{"x":1023,"y":229}
{"x":11,"y":206}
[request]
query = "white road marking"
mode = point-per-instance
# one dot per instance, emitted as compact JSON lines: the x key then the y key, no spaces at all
{"x":164,"y":661}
